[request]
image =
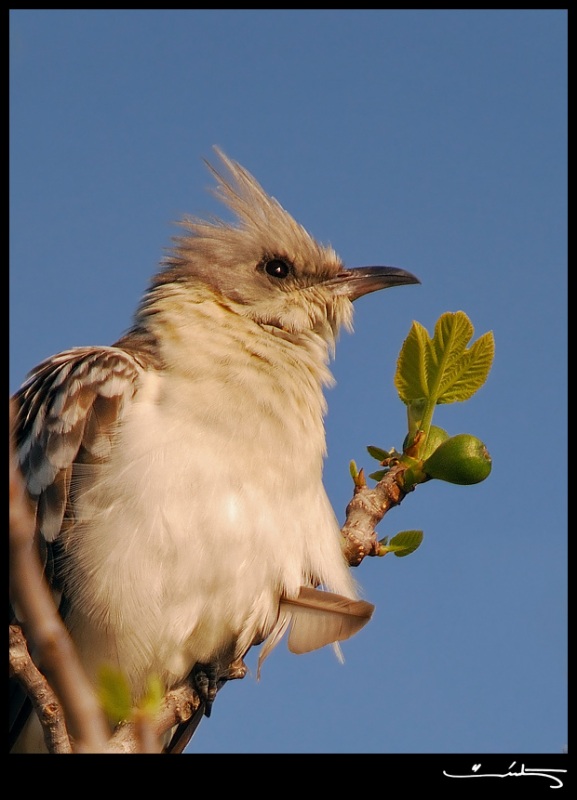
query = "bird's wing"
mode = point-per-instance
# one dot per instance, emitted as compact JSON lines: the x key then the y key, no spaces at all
{"x":66,"y":414}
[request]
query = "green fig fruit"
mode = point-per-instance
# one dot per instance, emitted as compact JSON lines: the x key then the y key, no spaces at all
{"x":462,"y":459}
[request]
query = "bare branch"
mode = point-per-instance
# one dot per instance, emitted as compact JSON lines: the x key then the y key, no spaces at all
{"x":179,"y":706}
{"x":44,"y":701}
{"x":44,"y":627}
{"x":366,"y":509}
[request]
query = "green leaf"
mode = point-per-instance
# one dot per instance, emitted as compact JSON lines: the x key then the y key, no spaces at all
{"x":470,"y":373}
{"x":152,"y":699}
{"x":457,"y":372}
{"x":404,"y":543}
{"x":441,"y":369}
{"x":411,"y":378}
{"x":378,"y":452}
{"x":114,"y":693}
{"x":379,"y":474}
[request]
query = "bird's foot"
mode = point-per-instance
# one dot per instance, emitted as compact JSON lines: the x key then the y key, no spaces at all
{"x":205,"y":682}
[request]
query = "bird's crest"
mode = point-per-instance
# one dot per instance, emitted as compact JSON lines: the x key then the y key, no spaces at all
{"x":262,"y":228}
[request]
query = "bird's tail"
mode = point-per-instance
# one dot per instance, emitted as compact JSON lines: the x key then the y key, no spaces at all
{"x":316,"y":618}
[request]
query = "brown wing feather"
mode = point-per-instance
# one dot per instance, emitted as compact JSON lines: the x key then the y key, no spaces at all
{"x":67,"y":413}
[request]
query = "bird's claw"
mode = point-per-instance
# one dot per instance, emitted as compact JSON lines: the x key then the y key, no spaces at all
{"x":204,"y":677}
{"x":206,"y":680}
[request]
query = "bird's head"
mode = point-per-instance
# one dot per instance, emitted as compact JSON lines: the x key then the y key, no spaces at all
{"x":266,"y":266}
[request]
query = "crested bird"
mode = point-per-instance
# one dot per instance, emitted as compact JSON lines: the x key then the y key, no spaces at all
{"x":176,"y":475}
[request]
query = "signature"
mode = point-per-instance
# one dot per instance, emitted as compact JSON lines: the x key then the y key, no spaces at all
{"x":556,"y":783}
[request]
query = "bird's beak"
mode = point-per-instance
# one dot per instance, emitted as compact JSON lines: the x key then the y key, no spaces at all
{"x":354,"y":283}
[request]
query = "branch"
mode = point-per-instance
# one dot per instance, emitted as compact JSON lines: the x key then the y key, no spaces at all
{"x":142,"y":735}
{"x":31,"y":596}
{"x":44,"y":701}
{"x":366,"y":509}
{"x":180,"y":705}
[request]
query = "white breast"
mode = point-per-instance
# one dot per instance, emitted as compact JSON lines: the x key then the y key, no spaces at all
{"x":210,"y":508}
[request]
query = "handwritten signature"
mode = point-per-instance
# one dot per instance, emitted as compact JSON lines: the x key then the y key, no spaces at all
{"x":556,"y":783}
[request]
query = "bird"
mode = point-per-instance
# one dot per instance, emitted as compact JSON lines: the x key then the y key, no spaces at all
{"x":176,"y":476}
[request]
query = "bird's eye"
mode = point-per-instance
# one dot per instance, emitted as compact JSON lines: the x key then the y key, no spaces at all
{"x":277,"y":268}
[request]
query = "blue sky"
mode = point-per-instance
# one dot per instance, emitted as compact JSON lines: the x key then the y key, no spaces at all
{"x":431,"y":140}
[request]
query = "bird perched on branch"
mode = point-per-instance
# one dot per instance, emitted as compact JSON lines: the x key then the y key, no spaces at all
{"x":177,"y":474}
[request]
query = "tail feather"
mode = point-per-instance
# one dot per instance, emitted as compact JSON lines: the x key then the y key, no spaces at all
{"x":321,"y":618}
{"x":316,"y":618}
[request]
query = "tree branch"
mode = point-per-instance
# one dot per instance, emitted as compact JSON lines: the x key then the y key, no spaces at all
{"x":366,"y":509}
{"x":44,"y":701}
{"x":44,"y":627}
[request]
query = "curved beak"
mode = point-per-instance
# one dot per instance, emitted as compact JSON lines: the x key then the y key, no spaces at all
{"x":355,"y":283}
